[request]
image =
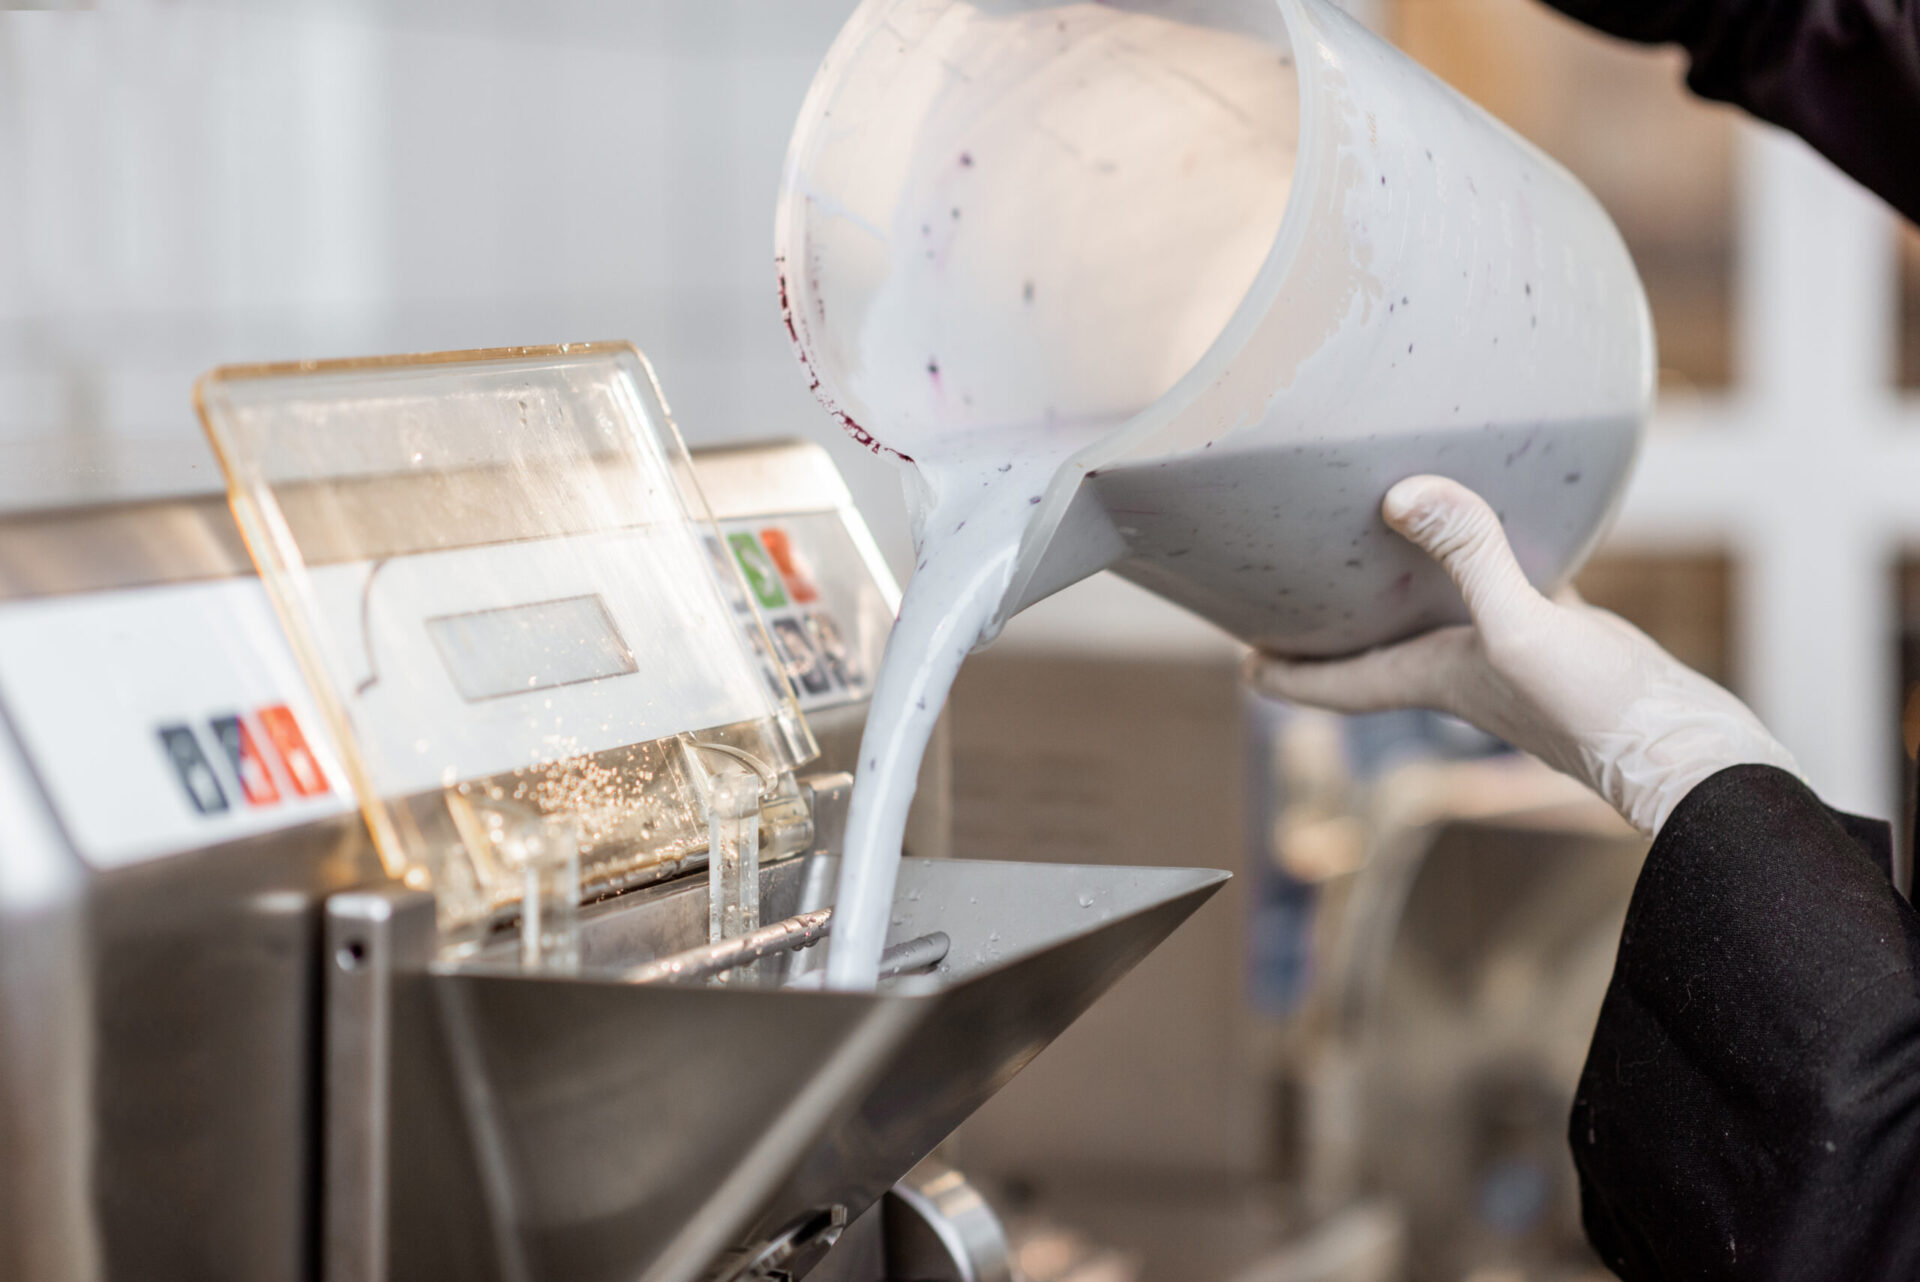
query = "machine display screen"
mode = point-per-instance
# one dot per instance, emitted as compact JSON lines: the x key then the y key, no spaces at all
{"x":493,"y":653}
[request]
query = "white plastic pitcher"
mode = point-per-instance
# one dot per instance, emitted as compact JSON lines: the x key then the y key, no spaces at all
{"x":1251,"y":260}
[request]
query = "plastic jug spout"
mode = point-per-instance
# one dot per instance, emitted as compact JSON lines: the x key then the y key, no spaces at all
{"x":1081,"y":544}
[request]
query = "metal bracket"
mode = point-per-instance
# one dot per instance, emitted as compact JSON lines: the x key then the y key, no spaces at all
{"x":791,"y":1254}
{"x":940,"y":1229}
{"x":366,"y":938}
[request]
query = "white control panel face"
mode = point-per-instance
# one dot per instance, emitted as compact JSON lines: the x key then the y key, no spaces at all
{"x":826,"y":615}
{"x":165,"y":718}
{"x":477,"y":661}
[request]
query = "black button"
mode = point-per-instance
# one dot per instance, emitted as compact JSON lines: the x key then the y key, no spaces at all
{"x":196,"y":773}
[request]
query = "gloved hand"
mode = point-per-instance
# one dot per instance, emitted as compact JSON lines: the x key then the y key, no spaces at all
{"x":1579,"y":687}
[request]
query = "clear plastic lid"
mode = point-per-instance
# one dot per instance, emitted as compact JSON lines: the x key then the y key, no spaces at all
{"x":495,"y":569}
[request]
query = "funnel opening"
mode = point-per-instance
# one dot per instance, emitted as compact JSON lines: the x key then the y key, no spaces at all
{"x":1034,"y":218}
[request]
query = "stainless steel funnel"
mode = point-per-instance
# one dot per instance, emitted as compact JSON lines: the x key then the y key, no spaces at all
{"x":588,"y":1129}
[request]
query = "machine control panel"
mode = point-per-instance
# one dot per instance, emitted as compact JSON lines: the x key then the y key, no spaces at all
{"x":164,"y":718}
{"x":800,"y":571}
{"x":169,"y":717}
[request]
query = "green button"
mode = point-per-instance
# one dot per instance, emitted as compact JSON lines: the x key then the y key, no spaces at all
{"x":758,"y":567}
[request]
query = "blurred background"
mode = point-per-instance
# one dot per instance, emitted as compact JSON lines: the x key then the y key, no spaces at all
{"x":1356,"y":1064}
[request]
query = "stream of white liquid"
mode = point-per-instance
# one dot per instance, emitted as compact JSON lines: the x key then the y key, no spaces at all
{"x":1088,"y":194}
{"x":968,"y":545}
{"x":1072,"y":201}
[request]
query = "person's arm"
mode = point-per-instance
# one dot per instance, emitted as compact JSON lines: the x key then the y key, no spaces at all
{"x":1750,"y":1106}
{"x":1843,"y":74}
{"x":1751,"y":1101}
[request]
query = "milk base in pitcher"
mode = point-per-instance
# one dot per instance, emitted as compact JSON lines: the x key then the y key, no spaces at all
{"x":1284,"y":547}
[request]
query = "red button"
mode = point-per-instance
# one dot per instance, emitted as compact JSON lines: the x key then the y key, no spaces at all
{"x":780,"y":548}
{"x":249,"y":767}
{"x":284,"y":732}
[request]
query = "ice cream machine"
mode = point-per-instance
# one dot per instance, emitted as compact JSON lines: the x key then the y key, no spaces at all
{"x":413,"y":861}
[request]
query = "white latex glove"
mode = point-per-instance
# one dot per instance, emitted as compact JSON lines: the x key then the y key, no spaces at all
{"x":1579,"y":687}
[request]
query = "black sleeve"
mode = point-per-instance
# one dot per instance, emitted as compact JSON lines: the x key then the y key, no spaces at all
{"x":1750,"y":1106}
{"x":1843,"y":74}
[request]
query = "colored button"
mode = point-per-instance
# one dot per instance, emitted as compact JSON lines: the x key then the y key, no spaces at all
{"x":771,"y":668}
{"x":195,"y":771}
{"x":243,"y":754}
{"x":283,"y":732}
{"x":761,"y":576}
{"x":724,"y":571}
{"x":840,"y":660}
{"x":784,"y":555}
{"x":803,"y":664}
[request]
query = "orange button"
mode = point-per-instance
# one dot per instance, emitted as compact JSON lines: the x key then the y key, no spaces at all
{"x":780,"y":548}
{"x":302,"y":770}
{"x":249,"y":766}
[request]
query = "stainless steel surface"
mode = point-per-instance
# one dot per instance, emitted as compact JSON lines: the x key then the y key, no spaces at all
{"x":932,"y":1226}
{"x":940,"y":1229}
{"x":923,"y":952}
{"x":593,"y":1129}
{"x":795,"y":1253}
{"x":861,"y":1253}
{"x":366,"y":936}
{"x":802,"y":930}
{"x":767,"y":478}
{"x":60,"y":551}
{"x":828,"y":796}
{"x":96,"y":548}
{"x":236,"y":1061}
{"x":205,"y":1031}
{"x":163,"y":1038}
{"x":48,"y":1225}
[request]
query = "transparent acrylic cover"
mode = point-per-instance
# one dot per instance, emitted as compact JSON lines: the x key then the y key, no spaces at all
{"x":500,"y":576}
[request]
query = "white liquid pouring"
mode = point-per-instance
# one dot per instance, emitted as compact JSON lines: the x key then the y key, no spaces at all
{"x":1010,"y":220}
{"x":1079,"y":215}
{"x":968,"y":546}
